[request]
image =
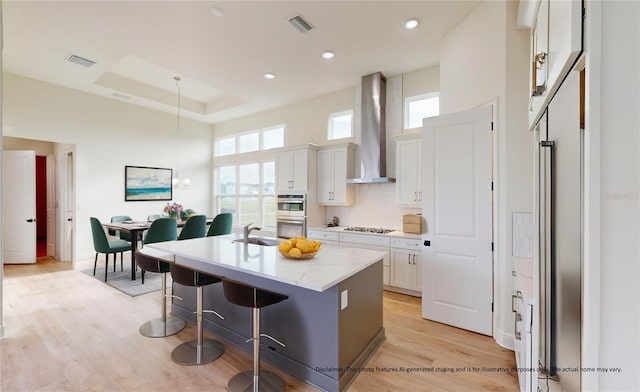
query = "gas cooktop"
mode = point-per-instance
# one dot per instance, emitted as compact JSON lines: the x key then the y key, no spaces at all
{"x":377,"y":230}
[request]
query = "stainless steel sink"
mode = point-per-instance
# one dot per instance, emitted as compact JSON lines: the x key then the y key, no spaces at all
{"x":259,"y":241}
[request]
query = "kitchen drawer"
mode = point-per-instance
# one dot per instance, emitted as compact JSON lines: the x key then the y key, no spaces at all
{"x":377,"y":240}
{"x":406,"y":243}
{"x":322,"y":235}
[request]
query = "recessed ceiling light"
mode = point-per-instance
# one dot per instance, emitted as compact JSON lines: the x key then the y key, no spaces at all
{"x":217,"y":11}
{"x":328,"y":55}
{"x":270,"y":75}
{"x":411,"y":24}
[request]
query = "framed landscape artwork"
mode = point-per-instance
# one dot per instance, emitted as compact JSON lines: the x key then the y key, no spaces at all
{"x":147,"y":183}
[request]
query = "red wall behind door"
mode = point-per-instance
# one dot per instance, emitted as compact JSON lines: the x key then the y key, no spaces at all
{"x":41,"y":197}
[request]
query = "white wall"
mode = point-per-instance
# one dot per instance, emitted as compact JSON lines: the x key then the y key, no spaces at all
{"x":306,"y":122}
{"x":484,"y":62}
{"x":107,"y":135}
{"x":14,"y":143}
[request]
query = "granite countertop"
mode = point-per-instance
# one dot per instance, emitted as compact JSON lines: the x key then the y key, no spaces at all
{"x":330,"y":266}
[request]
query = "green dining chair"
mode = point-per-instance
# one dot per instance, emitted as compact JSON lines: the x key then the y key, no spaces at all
{"x":102,"y":244}
{"x":194,"y":227}
{"x":161,"y":229}
{"x":121,"y":234}
{"x":221,"y":224}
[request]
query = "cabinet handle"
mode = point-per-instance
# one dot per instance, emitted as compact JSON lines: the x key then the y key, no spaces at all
{"x":409,"y":258}
{"x":513,"y":273}
{"x":516,"y":320}
{"x":414,"y":259}
{"x":513,"y":308}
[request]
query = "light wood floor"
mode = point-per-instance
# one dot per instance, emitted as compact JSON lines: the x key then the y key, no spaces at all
{"x":68,"y":331}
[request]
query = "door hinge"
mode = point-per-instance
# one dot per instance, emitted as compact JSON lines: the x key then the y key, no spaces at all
{"x":491,"y":307}
{"x":491,"y":186}
{"x":492,"y":125}
{"x":492,"y":246}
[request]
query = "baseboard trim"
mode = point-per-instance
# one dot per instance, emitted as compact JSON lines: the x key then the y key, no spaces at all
{"x":504,"y":340}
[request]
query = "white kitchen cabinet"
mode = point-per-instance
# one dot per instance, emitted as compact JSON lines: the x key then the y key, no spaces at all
{"x":525,"y":341}
{"x":406,"y":266}
{"x":335,"y":165}
{"x":293,"y":170}
{"x":408,"y":176}
{"x":556,"y":43}
{"x":327,"y":237}
{"x":373,"y":242}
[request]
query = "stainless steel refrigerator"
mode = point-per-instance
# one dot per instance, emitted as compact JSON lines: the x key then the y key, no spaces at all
{"x":559,"y":214}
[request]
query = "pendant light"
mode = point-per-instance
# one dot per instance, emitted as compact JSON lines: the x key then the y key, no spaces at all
{"x":176,"y":181}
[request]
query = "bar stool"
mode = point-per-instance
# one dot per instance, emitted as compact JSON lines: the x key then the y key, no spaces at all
{"x":199,"y":351}
{"x":164,"y":326}
{"x":252,"y":297}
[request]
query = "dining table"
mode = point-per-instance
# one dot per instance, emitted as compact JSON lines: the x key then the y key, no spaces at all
{"x":136,"y":229}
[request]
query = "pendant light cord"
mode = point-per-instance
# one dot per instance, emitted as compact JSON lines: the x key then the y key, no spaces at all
{"x":177,"y":79}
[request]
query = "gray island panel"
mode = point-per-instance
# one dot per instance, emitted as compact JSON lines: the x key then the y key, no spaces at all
{"x":325,"y":345}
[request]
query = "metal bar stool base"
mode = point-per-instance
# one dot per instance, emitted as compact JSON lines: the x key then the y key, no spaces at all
{"x":187,"y":353}
{"x":268,"y":382}
{"x":159,"y":329}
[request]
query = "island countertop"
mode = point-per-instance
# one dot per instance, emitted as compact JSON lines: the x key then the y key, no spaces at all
{"x":330,"y":266}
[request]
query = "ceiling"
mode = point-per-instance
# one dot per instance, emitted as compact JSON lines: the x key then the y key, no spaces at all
{"x":139,"y":46}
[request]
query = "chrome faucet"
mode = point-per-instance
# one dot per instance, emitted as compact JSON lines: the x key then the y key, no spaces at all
{"x":246,"y":230}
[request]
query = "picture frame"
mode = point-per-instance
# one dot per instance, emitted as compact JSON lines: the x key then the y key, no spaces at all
{"x":143,"y":183}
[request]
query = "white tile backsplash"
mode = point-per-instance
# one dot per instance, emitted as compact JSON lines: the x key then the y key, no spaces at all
{"x":375,"y":206}
{"x":522,"y":234}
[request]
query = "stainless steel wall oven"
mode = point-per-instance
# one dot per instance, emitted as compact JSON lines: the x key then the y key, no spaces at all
{"x":291,"y":216}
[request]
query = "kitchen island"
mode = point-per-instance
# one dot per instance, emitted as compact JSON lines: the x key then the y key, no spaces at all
{"x":331,"y":323}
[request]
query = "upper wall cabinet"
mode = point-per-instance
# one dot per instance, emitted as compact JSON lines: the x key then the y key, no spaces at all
{"x":556,"y":43}
{"x":335,"y":165}
{"x":293,"y":169}
{"x":408,"y":168}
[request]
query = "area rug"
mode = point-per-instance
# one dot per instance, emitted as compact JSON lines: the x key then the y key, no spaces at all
{"x":121,"y":280}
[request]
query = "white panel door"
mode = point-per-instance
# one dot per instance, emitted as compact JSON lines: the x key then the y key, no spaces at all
{"x":457,"y":207}
{"x":19,"y":207}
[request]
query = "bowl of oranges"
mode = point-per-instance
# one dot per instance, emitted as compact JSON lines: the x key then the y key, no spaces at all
{"x":299,"y":248}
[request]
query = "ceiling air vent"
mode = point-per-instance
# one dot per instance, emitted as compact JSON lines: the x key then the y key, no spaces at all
{"x":300,"y":24}
{"x":79,"y":60}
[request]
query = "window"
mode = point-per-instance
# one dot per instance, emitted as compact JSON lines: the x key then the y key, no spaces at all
{"x":273,"y":138}
{"x":263,"y":139}
{"x":249,"y":142}
{"x":340,"y":125}
{"x":420,"y":106}
{"x":226,"y":146}
{"x":248,"y":192}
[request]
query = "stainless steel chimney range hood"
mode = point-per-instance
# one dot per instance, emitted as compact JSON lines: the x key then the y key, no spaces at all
{"x":373,"y":140}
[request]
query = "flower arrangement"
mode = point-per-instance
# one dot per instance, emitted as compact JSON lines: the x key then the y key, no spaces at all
{"x":173,"y":210}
